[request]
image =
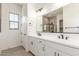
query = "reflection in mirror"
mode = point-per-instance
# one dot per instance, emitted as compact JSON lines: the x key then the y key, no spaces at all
{"x":49,"y":24}
{"x":61,"y":25}
{"x":53,"y":22}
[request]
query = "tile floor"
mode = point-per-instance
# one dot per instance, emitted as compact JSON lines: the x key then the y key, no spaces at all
{"x":17,"y":51}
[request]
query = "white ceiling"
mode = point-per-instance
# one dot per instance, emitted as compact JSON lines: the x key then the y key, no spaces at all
{"x":42,"y":5}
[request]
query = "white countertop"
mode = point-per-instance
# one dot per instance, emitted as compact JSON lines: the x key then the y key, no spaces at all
{"x":60,"y":41}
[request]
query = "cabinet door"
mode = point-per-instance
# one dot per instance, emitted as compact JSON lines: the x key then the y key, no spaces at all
{"x":49,"y":51}
{"x":63,"y":54}
{"x":30,"y":44}
{"x":41,"y":48}
{"x":60,"y":53}
{"x":33,"y":45}
{"x":36,"y":46}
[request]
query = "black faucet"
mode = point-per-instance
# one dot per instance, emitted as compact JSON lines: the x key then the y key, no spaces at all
{"x":62,"y":36}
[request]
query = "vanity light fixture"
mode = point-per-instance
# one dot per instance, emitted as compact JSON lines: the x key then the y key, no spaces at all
{"x":39,"y":10}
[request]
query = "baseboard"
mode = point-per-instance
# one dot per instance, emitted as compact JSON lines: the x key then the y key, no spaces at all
{"x":26,"y":49}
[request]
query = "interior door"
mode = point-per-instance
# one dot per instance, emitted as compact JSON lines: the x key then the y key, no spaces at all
{"x":24,"y":32}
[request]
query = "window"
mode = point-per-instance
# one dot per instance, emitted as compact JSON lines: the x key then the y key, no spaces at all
{"x":14,"y":21}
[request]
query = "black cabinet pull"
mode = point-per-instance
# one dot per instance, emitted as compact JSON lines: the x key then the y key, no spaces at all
{"x":58,"y":54}
{"x":54,"y":53}
{"x":31,"y":43}
{"x":62,"y":36}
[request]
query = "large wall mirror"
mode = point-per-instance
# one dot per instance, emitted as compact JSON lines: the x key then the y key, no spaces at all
{"x":62,"y":20}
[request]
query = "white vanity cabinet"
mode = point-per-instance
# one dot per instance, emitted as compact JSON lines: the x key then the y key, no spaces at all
{"x":63,"y":50}
{"x":41,"y":47}
{"x":36,"y":46}
{"x":33,"y":45}
{"x":49,"y":51}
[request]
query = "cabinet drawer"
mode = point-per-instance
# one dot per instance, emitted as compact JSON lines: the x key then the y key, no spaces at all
{"x":63,"y":48}
{"x":39,"y":40}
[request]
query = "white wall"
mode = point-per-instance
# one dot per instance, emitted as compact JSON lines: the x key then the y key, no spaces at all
{"x":9,"y":38}
{"x":24,"y":9}
{"x":31,"y":14}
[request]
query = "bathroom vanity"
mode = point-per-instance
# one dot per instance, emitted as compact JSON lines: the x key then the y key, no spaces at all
{"x":59,"y":31}
{"x":53,"y":46}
